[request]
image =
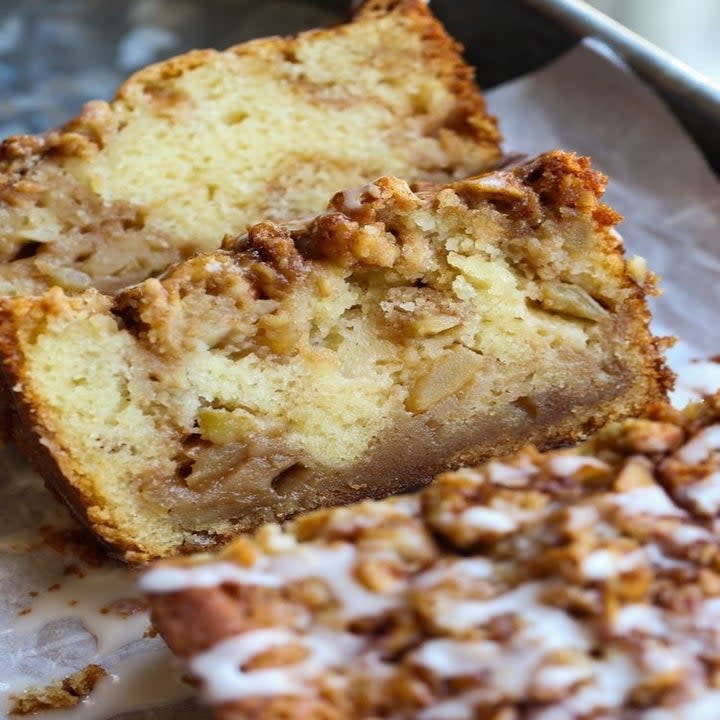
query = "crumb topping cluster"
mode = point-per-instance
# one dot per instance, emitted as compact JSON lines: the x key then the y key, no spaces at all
{"x":571,"y":584}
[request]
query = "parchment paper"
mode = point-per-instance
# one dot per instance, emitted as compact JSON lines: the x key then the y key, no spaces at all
{"x":586,"y":102}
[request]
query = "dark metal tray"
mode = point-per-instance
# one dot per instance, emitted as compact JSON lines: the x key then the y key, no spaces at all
{"x":694,"y":99}
{"x":507,"y":39}
{"x":55,"y":55}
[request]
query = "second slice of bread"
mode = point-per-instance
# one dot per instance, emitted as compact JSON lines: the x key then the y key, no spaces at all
{"x":210,"y":142}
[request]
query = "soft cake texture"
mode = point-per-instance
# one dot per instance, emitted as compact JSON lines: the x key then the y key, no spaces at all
{"x":210,"y":142}
{"x":319,"y":362}
{"x":577,"y":583}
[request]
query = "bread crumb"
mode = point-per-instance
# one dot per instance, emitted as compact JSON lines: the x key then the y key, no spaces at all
{"x":64,"y":693}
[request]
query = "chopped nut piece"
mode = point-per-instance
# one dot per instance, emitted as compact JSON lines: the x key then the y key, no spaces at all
{"x":636,"y":473}
{"x":380,"y":575}
{"x":288,"y":654}
{"x":646,"y":436}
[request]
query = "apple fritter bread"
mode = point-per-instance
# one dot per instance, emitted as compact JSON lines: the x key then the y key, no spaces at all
{"x":325,"y":361}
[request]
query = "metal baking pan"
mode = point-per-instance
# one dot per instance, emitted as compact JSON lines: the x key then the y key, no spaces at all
{"x":507,"y":39}
{"x":55,"y":55}
{"x":693,"y":97}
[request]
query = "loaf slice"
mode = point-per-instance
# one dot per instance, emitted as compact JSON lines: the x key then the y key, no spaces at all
{"x":210,"y":142}
{"x":354,"y":355}
{"x":572,"y":584}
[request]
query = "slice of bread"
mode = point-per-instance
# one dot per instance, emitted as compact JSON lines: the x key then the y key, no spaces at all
{"x":210,"y":142}
{"x":351,"y":356}
{"x":571,"y":584}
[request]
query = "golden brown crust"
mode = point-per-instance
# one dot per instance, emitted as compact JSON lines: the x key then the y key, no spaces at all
{"x":29,"y":427}
{"x":554,"y":182}
{"x":582,"y":570}
{"x":64,"y":225}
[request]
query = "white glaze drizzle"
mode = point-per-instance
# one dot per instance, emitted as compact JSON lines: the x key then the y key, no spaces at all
{"x":570,"y":465}
{"x":522,"y":601}
{"x":352,"y":519}
{"x":459,"y":708}
{"x":647,"y":500}
{"x":515,"y":668}
{"x":603,"y":564}
{"x":702,"y":708}
{"x":639,"y":618}
{"x":223,"y":677}
{"x":704,"y":495}
{"x":220,"y":668}
{"x":612,"y":679}
{"x":661,"y":561}
{"x":85,"y":598}
{"x":452,"y":658}
{"x":472,"y":568}
{"x":689,"y":534}
{"x":660,"y":659}
{"x":581,"y":517}
{"x":556,"y":678}
{"x":708,"y":615}
{"x":333,"y":564}
{"x":588,"y":685}
{"x":486,"y":518}
{"x":701,"y":446}
{"x":507,"y":475}
{"x":171,"y":578}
